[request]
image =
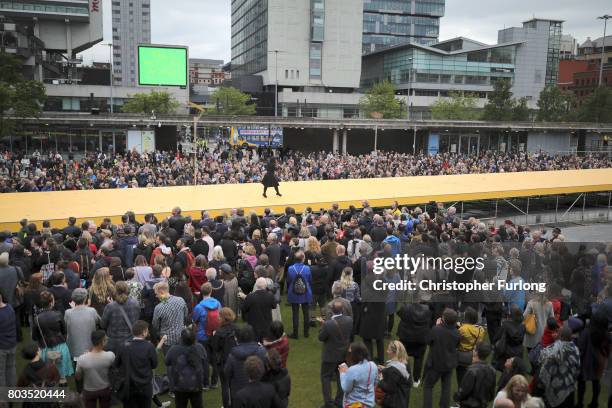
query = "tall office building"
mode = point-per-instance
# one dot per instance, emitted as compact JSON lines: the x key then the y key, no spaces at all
{"x":391,"y":22}
{"x":131,"y":26}
{"x":537,"y":61}
{"x":310,"y":48}
{"x":47,"y":34}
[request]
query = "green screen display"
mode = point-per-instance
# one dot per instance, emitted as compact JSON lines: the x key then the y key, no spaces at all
{"x":162,"y":66}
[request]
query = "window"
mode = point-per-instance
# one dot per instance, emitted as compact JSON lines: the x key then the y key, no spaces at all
{"x":286,"y":74}
{"x":292,"y":111}
{"x":310,"y":112}
{"x":351,"y":113}
{"x":297,"y":75}
{"x":315,"y":60}
{"x":292,"y":74}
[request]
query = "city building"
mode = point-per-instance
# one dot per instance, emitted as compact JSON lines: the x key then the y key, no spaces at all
{"x":131,"y":20}
{"x":207,"y":72}
{"x":426,"y":73}
{"x":569,"y":47}
{"x":47,"y":35}
{"x":391,"y":22}
{"x":567,"y":70}
{"x":582,"y":77}
{"x":537,"y":60}
{"x":590,"y":50}
{"x":310,"y":49}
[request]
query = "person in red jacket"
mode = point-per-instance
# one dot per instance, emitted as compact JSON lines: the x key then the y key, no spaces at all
{"x":278,"y":340}
{"x":197,"y":274}
{"x":550,"y":332}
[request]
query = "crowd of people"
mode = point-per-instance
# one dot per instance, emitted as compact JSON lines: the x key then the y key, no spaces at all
{"x":95,"y":308}
{"x":223,"y":164}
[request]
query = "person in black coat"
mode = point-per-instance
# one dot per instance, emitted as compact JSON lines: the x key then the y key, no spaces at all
{"x":256,"y":394}
{"x":413,"y":331}
{"x":278,"y":376}
{"x":335,"y":334}
{"x":509,"y":341}
{"x":141,"y":358}
{"x":442,"y":358}
{"x":477,"y":388}
{"x":257,"y":308}
{"x":396,"y":379}
{"x":270,"y":179}
{"x":61,"y":294}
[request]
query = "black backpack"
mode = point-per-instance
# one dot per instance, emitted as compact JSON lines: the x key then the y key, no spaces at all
{"x":186,"y":376}
{"x":299,"y":284}
{"x":246,"y":276}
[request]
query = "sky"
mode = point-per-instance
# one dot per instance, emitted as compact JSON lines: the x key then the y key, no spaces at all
{"x":204,"y":25}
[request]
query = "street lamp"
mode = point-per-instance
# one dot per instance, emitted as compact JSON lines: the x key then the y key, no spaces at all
{"x":605,"y":18}
{"x":110,"y":62}
{"x":409,"y":87}
{"x":275,"y":81}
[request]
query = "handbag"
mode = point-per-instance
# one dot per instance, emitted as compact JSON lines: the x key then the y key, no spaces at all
{"x":465,"y":357}
{"x":531,"y":323}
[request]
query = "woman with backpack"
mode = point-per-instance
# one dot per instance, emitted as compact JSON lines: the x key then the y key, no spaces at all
{"x":223,"y":340}
{"x":299,"y":293}
{"x":185,"y":362}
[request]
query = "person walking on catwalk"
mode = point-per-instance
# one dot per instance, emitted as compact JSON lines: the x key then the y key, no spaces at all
{"x":270,"y":179}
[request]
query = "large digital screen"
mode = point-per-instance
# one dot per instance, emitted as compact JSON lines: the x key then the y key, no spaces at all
{"x":166,"y":66}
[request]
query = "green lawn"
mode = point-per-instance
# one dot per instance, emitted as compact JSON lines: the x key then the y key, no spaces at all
{"x":304,"y":365}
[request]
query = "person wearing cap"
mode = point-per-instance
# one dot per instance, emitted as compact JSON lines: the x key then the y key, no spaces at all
{"x":81,"y":321}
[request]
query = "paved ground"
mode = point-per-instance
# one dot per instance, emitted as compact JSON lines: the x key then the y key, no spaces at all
{"x":588,"y":233}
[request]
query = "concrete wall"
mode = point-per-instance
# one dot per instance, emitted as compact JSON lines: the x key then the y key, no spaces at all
{"x":549,"y":142}
{"x":530,"y":64}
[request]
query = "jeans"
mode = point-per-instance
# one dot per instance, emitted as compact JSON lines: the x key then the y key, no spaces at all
{"x":295,"y":308}
{"x":182,"y":399}
{"x":329,"y":372}
{"x":431,"y":378}
{"x":8,"y":373}
{"x":225,"y":391}
{"x":91,"y":398}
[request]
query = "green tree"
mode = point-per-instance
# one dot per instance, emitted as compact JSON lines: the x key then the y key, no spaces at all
{"x":380,"y":101}
{"x":501,"y":104}
{"x":554,"y":105}
{"x":19,"y":98}
{"x":158,"y":102}
{"x":520,"y":110}
{"x":597,"y":107}
{"x":227,"y":100}
{"x":458,"y":107}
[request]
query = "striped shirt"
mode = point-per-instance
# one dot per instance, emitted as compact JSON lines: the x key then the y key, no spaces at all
{"x":169,"y":318}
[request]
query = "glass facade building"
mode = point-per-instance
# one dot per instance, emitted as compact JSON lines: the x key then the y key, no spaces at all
{"x":249,"y":37}
{"x":428,"y":71}
{"x":391,"y":22}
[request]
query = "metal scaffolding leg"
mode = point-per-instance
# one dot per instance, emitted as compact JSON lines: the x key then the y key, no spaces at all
{"x":583,"y":204}
{"x":462,"y":211}
{"x":527,"y":213}
{"x":496,"y":202}
{"x":556,"y":208}
{"x":572,"y":206}
{"x":609,"y":203}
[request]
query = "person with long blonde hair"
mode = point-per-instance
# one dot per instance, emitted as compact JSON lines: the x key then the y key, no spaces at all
{"x":517,"y":391}
{"x":102,"y":290}
{"x":396,"y":378}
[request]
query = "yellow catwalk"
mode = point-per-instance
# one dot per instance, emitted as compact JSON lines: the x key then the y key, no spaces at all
{"x":97,"y":204}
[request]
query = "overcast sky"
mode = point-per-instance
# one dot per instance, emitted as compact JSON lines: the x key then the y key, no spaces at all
{"x":204,"y":25}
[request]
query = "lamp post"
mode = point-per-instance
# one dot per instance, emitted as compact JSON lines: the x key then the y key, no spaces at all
{"x":605,"y":18}
{"x":409,"y":86}
{"x":110,"y":62}
{"x":275,"y":80}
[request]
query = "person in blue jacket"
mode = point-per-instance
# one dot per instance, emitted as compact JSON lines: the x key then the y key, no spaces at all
{"x":394,"y":241}
{"x":200,"y":316}
{"x":299,"y":293}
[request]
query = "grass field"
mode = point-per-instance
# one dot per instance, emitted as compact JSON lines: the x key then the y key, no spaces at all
{"x":304,"y":366}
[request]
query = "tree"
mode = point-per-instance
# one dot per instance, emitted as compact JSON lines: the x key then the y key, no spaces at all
{"x":500,"y":103}
{"x":19,"y":98}
{"x":380,"y":101}
{"x":520,"y":110}
{"x":458,"y":106}
{"x":597,"y":107}
{"x":227,"y":100}
{"x":154,"y":102}
{"x":554,"y":105}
